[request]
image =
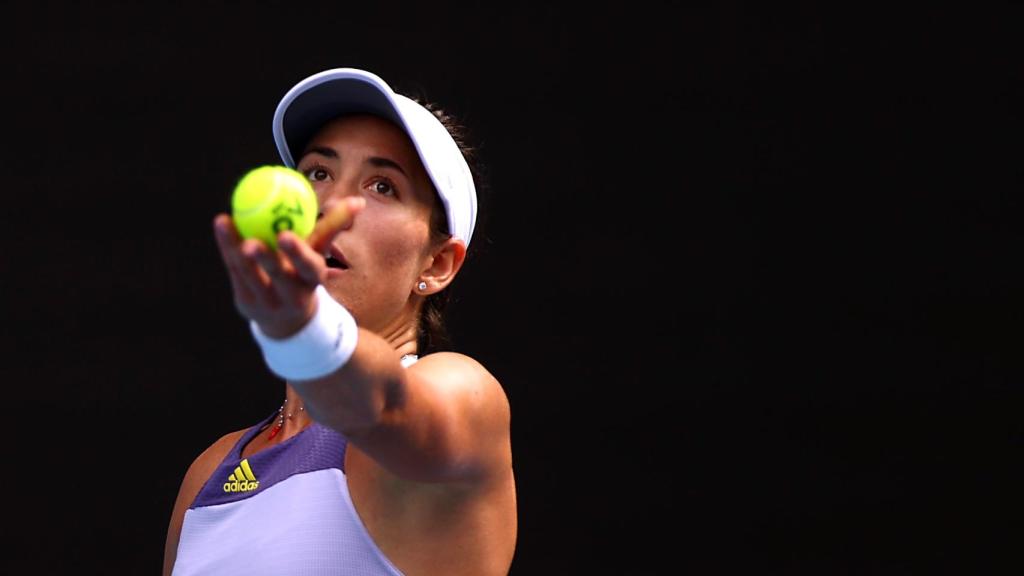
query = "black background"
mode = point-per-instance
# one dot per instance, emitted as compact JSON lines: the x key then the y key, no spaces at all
{"x":749,"y":274}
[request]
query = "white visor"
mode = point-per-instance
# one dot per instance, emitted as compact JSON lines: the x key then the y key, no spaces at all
{"x":331,"y":93}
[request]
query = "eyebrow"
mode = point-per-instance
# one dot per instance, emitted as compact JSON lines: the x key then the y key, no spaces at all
{"x":378,"y":161}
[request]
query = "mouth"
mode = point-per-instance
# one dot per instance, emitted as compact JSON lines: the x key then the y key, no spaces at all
{"x":335,"y":259}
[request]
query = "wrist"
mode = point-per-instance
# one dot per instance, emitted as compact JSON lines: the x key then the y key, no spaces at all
{"x":322,"y":346}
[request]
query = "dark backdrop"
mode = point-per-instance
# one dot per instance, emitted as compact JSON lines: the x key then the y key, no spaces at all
{"x":750,"y":274}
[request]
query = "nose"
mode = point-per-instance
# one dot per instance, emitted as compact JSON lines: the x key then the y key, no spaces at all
{"x":336,"y":192}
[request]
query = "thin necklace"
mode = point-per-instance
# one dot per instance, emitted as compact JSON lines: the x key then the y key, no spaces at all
{"x":407,"y":360}
{"x":280,"y":419}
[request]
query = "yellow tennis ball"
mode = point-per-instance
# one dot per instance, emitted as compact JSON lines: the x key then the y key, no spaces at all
{"x":271,"y":199}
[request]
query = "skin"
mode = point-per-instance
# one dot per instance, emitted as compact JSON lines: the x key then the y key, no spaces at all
{"x":429,"y":461}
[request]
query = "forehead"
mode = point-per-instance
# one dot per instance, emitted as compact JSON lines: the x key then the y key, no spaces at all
{"x":357,"y":139}
{"x":370,"y":133}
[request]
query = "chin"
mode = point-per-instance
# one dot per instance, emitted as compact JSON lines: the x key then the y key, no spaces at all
{"x":333,"y":285}
{"x":335,"y":273}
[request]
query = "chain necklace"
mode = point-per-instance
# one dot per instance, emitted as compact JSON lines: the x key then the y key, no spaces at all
{"x":280,"y":418}
{"x":407,"y":360}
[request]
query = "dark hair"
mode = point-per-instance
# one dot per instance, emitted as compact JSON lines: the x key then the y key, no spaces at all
{"x":433,"y":334}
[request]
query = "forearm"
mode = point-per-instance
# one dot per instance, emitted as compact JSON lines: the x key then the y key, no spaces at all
{"x":348,"y":377}
{"x":381,"y":407}
{"x":351,"y":380}
{"x":355,"y":398}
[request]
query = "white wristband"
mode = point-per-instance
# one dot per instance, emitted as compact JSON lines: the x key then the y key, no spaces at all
{"x":322,"y":346}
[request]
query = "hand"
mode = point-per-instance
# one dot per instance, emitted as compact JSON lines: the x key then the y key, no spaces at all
{"x":275,"y":288}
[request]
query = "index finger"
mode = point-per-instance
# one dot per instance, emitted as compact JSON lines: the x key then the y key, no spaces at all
{"x":337,"y":218}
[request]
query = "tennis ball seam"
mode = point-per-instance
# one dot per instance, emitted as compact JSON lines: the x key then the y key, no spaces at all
{"x":264,"y":193}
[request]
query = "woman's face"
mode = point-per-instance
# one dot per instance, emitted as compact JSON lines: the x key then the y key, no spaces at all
{"x":377,"y":262}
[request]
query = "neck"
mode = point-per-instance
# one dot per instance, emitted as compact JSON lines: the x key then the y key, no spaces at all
{"x":291,"y":416}
{"x":403,"y":339}
{"x":400,"y":330}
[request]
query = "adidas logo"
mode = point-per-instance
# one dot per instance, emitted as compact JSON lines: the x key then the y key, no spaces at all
{"x":242,"y":480}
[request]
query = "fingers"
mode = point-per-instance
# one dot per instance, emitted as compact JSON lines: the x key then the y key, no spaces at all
{"x":276,"y":267}
{"x":337,"y":217}
{"x":306,"y":264}
{"x":253,"y":268}
{"x":265,"y":280}
{"x":228,"y":243}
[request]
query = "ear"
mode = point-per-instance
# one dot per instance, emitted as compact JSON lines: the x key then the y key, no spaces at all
{"x":444,"y":264}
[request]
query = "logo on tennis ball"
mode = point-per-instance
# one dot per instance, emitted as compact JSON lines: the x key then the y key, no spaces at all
{"x":271,"y":199}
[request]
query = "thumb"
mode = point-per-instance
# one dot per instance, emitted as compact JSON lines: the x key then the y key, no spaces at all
{"x":336,"y":217}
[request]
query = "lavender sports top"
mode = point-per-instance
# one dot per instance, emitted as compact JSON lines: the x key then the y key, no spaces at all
{"x":283,"y":510}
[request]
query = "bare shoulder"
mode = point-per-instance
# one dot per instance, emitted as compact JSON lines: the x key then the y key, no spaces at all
{"x":198,"y":473}
{"x":457,"y":374}
{"x":476,"y":411}
{"x":457,"y":368}
{"x":202,"y":468}
{"x":207,"y":461}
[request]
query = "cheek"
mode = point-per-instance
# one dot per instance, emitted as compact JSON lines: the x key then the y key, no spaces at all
{"x":398,"y":244}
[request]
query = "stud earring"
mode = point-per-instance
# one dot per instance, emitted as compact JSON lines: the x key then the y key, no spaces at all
{"x":422,"y":285}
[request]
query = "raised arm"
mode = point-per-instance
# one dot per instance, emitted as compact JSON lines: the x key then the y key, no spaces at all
{"x":445,"y":418}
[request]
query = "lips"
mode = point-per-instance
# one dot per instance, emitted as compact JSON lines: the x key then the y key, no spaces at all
{"x":335,"y":259}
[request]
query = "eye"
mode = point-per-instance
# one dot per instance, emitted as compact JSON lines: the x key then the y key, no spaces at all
{"x":316,"y":173}
{"x":383,"y":187}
